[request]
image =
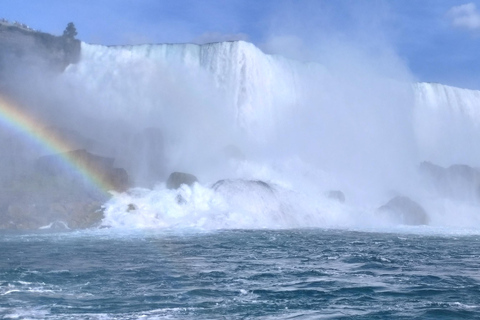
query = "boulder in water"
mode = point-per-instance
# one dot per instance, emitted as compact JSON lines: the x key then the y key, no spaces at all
{"x":118,"y":179}
{"x":241,"y":184}
{"x":54,"y":216}
{"x":458,"y":182}
{"x":176,"y":179}
{"x":405,"y":211}
{"x":254,"y":197}
{"x":55,"y":195}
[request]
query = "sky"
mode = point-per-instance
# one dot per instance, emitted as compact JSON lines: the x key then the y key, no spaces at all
{"x":439,"y":40}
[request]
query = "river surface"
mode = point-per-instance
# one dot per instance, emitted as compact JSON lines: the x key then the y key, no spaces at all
{"x":239,"y":274}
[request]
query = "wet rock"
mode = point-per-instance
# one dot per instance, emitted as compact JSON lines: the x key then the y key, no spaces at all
{"x":458,"y":182}
{"x":240,"y":183}
{"x":54,"y":216}
{"x":55,"y":164}
{"x":336,"y":195}
{"x":55,"y":194}
{"x":176,"y":179}
{"x":117,"y":179}
{"x":180,"y":199}
{"x":101,"y":168}
{"x":405,"y":211}
{"x":35,"y":201}
{"x":256,"y":197}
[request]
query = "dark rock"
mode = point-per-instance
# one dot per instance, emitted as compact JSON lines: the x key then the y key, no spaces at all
{"x":117,"y":179}
{"x":55,"y":164}
{"x":101,"y":167}
{"x":459,"y":182}
{"x":176,"y":179}
{"x":433,"y":171}
{"x":29,"y":47}
{"x":54,"y":194}
{"x":131,"y":207}
{"x":71,"y":138}
{"x":405,"y":211}
{"x":180,"y":199}
{"x":252,"y":196}
{"x":54,"y":216}
{"x":336,"y":195}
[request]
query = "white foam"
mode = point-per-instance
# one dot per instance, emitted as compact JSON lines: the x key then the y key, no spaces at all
{"x":302,"y":127}
{"x":242,"y":206}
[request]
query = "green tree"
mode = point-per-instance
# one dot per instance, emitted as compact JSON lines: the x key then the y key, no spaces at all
{"x":70,"y":31}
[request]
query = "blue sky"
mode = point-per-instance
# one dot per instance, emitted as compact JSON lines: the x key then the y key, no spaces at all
{"x":439,"y":40}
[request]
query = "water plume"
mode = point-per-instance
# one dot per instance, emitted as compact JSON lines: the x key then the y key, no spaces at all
{"x":343,"y":117}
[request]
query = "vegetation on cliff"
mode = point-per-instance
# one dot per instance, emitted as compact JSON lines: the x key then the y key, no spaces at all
{"x":20,"y":44}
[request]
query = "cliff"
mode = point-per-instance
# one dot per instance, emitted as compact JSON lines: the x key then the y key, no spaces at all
{"x":24,"y":45}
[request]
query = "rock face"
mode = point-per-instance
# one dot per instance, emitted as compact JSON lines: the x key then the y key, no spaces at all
{"x":176,"y":179}
{"x":405,"y":211}
{"x":459,"y":182}
{"x":101,"y":167}
{"x":73,"y":139}
{"x":38,"y":200}
{"x":59,"y":215}
{"x":336,"y":195}
{"x":28,"y":46}
{"x":54,"y":195}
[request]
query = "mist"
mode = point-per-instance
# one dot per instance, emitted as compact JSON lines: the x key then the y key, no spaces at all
{"x":312,"y":107}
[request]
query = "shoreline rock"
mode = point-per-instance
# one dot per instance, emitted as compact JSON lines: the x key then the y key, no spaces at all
{"x":404,"y":210}
{"x":176,"y":179}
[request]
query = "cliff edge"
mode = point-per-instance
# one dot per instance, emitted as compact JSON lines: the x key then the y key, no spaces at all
{"x":21,"y":44}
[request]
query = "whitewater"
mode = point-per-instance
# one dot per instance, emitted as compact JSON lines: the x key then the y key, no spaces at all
{"x":228,"y":111}
{"x":296,"y":161}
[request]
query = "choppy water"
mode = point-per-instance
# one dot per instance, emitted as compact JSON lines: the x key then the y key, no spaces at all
{"x":287,"y":274}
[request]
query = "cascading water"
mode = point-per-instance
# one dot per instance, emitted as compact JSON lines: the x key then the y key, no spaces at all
{"x":303,"y":128}
{"x":447,"y":122}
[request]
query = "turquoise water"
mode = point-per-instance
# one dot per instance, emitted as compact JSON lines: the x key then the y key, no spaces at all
{"x":238,"y":274}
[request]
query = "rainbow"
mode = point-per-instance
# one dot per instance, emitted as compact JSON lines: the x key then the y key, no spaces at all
{"x":13,"y":118}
